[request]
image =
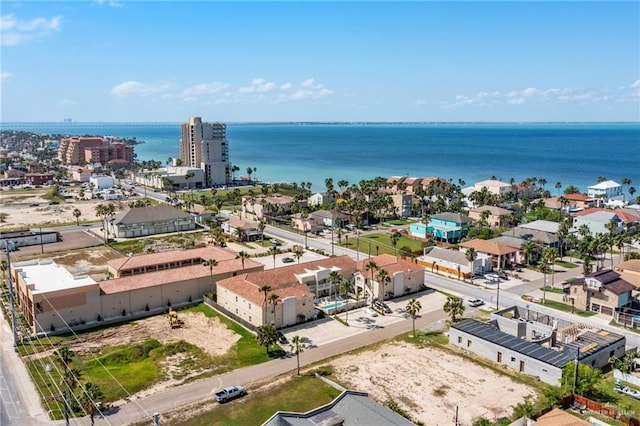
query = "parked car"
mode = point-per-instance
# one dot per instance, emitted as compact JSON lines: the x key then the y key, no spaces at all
{"x":503,"y":275}
{"x":282,"y":338}
{"x":476,"y":302}
{"x":229,"y":393}
{"x":382,"y":307}
{"x":275,"y":242}
{"x":371,"y":312}
{"x":288,"y":260}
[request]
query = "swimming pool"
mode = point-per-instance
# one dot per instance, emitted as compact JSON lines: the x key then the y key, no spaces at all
{"x":333,"y":305}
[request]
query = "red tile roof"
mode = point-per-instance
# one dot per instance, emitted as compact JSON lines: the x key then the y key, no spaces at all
{"x":389,"y":263}
{"x":490,"y":247}
{"x":151,"y":259}
{"x":624,"y":216}
{"x":170,"y":276}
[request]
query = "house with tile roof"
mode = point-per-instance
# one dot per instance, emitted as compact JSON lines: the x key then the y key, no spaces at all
{"x":502,"y":256}
{"x":246,"y":231}
{"x":629,"y":270}
{"x":604,"y":291}
{"x":597,"y":219}
{"x":495,"y":187}
{"x":497,"y":218}
{"x":272,"y":205}
{"x":297,"y":287}
{"x":150,"y":220}
{"x":402,"y":278}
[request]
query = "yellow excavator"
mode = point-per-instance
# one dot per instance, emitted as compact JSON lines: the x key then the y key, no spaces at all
{"x":174,"y":321}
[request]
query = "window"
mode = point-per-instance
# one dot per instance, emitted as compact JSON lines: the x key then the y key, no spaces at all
{"x":611,"y":353}
{"x":593,"y":363}
{"x":459,"y":339}
{"x":236,"y":310}
{"x":513,"y":359}
{"x":236,"y":298}
{"x":499,"y":357}
{"x":468,"y":343}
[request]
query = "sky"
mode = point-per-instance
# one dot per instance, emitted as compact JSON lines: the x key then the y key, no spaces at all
{"x":417,"y":61}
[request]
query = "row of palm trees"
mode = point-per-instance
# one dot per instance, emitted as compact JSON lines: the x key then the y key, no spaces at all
{"x":90,"y":394}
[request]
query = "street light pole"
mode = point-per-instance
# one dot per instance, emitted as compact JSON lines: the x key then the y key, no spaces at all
{"x":498,"y":294}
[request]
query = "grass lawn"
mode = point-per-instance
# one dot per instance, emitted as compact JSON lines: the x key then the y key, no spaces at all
{"x":381,"y":243}
{"x":566,"y":308}
{"x":553,"y":289}
{"x":137,"y":367}
{"x":618,"y":400}
{"x":564,"y":264}
{"x":301,"y":394}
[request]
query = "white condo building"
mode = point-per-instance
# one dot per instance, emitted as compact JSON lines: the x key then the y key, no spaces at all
{"x":608,"y":190}
{"x":204,"y":145}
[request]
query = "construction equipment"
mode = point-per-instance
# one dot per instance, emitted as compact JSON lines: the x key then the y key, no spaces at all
{"x":174,"y":321}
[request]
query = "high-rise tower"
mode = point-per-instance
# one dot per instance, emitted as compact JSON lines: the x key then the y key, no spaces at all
{"x":204,"y":145}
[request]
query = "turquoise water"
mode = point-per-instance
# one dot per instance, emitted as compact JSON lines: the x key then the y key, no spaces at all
{"x":573,"y":154}
{"x":333,"y":305}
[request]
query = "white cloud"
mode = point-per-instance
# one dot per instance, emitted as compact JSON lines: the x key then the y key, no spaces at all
{"x":14,"y":31}
{"x":205,"y":89}
{"x":5,"y":74}
{"x":111,"y":3}
{"x":533,"y":95}
{"x":135,"y":88}
{"x":259,"y":90}
{"x":67,"y":102}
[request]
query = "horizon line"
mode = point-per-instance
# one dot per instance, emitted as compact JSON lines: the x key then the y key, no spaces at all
{"x":327,"y":122}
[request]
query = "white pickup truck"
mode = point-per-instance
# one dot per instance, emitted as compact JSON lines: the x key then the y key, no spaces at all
{"x":229,"y":393}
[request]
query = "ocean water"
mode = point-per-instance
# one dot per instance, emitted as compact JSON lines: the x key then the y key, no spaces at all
{"x":573,"y":154}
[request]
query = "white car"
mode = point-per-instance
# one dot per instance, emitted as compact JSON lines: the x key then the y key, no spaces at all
{"x":476,"y":302}
{"x":371,"y":312}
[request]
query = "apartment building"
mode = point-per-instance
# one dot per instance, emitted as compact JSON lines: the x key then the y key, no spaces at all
{"x":204,"y":145}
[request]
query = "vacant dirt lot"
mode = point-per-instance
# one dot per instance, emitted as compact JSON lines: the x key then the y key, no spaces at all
{"x":207,"y":333}
{"x":22,"y":211}
{"x":429,"y":383}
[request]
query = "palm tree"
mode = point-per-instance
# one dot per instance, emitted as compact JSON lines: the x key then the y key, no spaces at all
{"x":64,"y":356}
{"x":298,"y":254}
{"x":334,"y":280}
{"x":471,"y":255}
{"x":210,"y":263}
{"x":77,"y":213}
{"x":273,"y":251}
{"x":454,"y":307}
{"x":261,"y":225}
{"x":243,"y":255}
{"x":90,"y":396}
{"x":372,"y":267}
{"x":297,"y":347}
{"x":413,"y":307}
{"x":383,"y":277}
{"x":345,"y":286}
{"x":265,"y":289}
{"x":273,"y":300}
{"x":267,"y":336}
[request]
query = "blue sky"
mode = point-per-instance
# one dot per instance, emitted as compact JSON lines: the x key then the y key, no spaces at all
{"x":163,"y":61}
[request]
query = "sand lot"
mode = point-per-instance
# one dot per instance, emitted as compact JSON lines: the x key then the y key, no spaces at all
{"x":207,"y":333}
{"x":22,"y":213}
{"x":429,"y":383}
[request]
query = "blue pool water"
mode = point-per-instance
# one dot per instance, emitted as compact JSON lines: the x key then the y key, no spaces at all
{"x":333,"y":305}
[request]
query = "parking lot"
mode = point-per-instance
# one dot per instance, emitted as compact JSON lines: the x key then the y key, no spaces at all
{"x":327,"y":330}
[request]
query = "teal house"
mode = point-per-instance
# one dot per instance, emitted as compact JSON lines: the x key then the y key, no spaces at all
{"x":446,"y":227}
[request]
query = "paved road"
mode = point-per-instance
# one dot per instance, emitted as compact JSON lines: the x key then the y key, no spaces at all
{"x":193,"y":392}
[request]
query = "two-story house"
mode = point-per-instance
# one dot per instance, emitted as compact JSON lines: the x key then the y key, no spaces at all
{"x":603,"y":291}
{"x":496,"y":217}
{"x":447,"y":227}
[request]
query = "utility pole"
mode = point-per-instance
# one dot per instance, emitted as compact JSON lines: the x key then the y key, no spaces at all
{"x":498,"y":293}
{"x":13,"y":299}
